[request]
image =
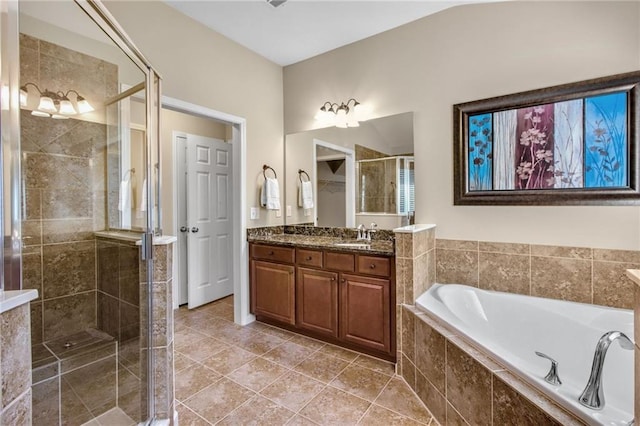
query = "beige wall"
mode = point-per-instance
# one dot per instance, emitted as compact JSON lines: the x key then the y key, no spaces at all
{"x":202,"y":67}
{"x":474,"y":52}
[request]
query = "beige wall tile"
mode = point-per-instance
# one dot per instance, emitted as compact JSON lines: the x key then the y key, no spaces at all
{"x":404,"y":279}
{"x":68,"y":269}
{"x":408,"y":372}
{"x":561,"y":278}
{"x":611,"y":287}
{"x":510,"y":407}
{"x":510,"y":248}
{"x":19,"y":412}
{"x":456,"y":244}
{"x":454,"y":418}
{"x":32,"y":269}
{"x":504,"y":272}
{"x":628,"y":256}
{"x":420,"y":277}
{"x":36,"y":322}
{"x":431,"y":268}
{"x":32,"y":232}
{"x":431,"y":239}
{"x":430,"y":354}
{"x":408,"y":334}
{"x":15,"y":353}
{"x":67,"y":230}
{"x":69,"y":314}
{"x":431,"y":397}
{"x":552,"y":412}
{"x":420,"y":243}
{"x":468,"y":386}
{"x":457,"y":267}
{"x":561,"y":251}
{"x":404,"y":245}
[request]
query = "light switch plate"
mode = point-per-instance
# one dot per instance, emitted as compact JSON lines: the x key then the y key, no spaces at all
{"x":278,"y":213}
{"x":288,"y":211}
{"x":255,"y":213}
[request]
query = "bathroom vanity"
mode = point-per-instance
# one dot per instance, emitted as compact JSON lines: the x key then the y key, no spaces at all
{"x":311,"y":285}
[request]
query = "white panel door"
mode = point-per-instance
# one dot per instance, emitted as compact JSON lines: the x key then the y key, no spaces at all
{"x":209,"y":242}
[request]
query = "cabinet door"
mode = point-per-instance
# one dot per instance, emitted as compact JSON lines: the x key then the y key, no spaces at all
{"x":365,"y":312}
{"x":317,"y":301}
{"x":273,"y":290}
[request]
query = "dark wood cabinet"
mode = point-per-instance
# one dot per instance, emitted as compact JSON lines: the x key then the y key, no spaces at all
{"x":273,"y":291}
{"x":365,"y":311}
{"x":341,"y":297}
{"x":317,"y":301}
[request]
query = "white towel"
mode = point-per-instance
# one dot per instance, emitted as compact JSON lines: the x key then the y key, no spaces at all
{"x":270,"y":194}
{"x":307,"y":195}
{"x":124,"y":198}
{"x":143,"y":197}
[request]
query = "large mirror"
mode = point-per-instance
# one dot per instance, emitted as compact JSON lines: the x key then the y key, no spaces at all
{"x":356,"y":175}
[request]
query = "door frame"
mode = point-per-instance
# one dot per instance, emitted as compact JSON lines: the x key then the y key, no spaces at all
{"x":349,"y":186}
{"x":241,"y":313}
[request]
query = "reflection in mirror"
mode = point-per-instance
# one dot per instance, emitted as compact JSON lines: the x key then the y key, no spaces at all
{"x":359,"y":174}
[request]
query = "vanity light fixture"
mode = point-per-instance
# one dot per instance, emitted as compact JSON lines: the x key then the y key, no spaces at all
{"x":344,"y":115}
{"x":55,"y":104}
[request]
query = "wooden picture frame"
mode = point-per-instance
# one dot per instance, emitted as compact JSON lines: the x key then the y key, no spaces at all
{"x":573,"y":144}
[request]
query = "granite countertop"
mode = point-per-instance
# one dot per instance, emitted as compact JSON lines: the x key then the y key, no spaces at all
{"x":379,"y":247}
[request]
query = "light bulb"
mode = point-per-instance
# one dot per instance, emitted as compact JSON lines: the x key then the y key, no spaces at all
{"x":84,"y":106}
{"x":66,"y":108}
{"x":46,"y":104}
{"x":59,"y":117}
{"x":351,"y":121}
{"x":40,"y":113}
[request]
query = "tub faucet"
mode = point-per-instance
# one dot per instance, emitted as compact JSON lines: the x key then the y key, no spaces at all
{"x":593,"y":396}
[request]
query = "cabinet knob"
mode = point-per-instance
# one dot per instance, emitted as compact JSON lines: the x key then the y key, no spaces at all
{"x":342,"y":280}
{"x":309,"y":257}
{"x":373,"y":266}
{"x":333,"y":278}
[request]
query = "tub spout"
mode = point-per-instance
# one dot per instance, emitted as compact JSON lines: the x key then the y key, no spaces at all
{"x":593,"y":396}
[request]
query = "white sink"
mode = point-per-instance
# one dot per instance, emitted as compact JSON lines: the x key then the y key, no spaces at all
{"x":353,"y":245}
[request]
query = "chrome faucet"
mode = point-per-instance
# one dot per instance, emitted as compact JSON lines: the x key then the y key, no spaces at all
{"x":593,"y":396}
{"x":364,"y":234}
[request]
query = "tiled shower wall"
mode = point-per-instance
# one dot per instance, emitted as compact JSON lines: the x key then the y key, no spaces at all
{"x":63,"y":173}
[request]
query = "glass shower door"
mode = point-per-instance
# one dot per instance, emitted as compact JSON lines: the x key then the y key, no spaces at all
{"x":85,"y":124}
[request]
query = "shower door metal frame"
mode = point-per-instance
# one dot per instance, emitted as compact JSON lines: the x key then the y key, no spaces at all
{"x":105,"y":20}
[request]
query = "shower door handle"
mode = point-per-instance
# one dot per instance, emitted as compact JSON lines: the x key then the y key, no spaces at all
{"x":194,"y":229}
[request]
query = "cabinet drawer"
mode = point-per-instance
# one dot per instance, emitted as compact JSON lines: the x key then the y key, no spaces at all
{"x":274,"y":253}
{"x":373,"y":265}
{"x":344,"y":262}
{"x":309,"y":257}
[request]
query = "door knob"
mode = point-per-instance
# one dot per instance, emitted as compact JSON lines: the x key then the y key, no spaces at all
{"x":194,"y":229}
{"x":183,"y":229}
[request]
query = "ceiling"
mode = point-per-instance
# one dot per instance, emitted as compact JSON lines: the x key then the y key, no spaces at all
{"x":300,"y":29}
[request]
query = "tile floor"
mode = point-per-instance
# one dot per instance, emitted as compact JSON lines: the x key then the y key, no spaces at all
{"x":232,"y":375}
{"x":113,"y":417}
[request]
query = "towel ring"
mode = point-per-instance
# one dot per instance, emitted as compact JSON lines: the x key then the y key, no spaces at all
{"x":264,"y":171}
{"x":131,"y":172}
{"x":300,"y":173}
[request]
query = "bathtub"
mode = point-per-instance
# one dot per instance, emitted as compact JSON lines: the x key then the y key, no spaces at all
{"x":513,"y":327}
